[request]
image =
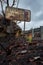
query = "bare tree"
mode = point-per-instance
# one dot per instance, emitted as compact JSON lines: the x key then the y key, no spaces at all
{"x":6,"y":2}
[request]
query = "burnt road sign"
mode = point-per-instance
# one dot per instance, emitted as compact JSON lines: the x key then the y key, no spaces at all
{"x":18,"y":14}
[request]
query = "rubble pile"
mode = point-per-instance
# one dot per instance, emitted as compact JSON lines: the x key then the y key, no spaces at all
{"x":17,"y":51}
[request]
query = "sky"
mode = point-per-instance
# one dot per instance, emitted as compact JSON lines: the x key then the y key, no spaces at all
{"x":36,"y":8}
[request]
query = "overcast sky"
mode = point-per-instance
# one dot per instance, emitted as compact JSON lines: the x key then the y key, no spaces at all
{"x":36,"y":7}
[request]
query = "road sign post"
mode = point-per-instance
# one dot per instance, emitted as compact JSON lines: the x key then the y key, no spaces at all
{"x":18,"y":14}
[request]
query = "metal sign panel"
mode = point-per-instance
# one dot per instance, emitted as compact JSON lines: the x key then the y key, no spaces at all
{"x":18,"y":14}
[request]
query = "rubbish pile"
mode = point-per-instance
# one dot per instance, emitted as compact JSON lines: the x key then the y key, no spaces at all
{"x":17,"y":51}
